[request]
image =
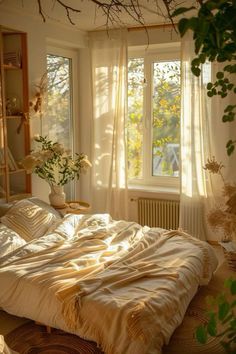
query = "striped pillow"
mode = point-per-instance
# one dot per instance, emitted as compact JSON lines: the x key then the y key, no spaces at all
{"x":28,"y":219}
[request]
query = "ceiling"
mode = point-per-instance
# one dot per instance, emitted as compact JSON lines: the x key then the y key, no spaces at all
{"x":91,"y":17}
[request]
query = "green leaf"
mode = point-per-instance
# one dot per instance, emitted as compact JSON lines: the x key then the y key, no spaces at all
{"x":193,"y":23}
{"x":230,"y":142}
{"x":223,"y":310}
{"x":196,"y":62}
{"x":229,"y":108}
{"x":183,"y":26}
{"x":220,"y":75}
{"x":209,"y":85}
{"x":227,"y":68}
{"x":201,"y":334}
{"x":233,"y":287}
{"x":211,"y":326}
{"x":182,"y":10}
{"x":230,"y":150}
{"x":196,"y":71}
{"x":225,"y":118}
{"x":202,"y":58}
{"x":230,"y":86}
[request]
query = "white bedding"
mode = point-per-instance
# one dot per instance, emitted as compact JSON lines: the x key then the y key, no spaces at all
{"x":124,"y":286}
{"x":9,"y":240}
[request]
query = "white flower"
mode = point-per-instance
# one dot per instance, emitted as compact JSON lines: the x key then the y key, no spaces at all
{"x":36,"y":137}
{"x":30,"y":162}
{"x":58,"y":148}
{"x":54,"y":164}
{"x":85,"y":163}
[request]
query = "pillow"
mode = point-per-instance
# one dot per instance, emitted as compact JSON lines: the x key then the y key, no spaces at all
{"x":45,"y":206}
{"x":9,"y":240}
{"x":28,"y":219}
{"x":4,"y":207}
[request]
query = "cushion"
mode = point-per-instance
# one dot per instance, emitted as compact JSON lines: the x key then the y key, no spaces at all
{"x":28,"y":219}
{"x":9,"y":241}
{"x":4,"y":207}
{"x":45,"y":206}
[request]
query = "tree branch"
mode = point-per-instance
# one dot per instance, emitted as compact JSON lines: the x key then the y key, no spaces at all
{"x":113,"y":9}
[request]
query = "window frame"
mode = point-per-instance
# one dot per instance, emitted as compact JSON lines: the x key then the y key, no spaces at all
{"x":71,"y":54}
{"x":152,"y":54}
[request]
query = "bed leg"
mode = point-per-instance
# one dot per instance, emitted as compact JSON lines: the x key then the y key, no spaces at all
{"x":48,"y":328}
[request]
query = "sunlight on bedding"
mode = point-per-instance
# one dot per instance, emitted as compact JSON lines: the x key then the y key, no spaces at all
{"x":140,"y":281}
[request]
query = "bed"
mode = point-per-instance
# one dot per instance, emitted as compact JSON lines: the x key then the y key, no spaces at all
{"x":124,"y":286}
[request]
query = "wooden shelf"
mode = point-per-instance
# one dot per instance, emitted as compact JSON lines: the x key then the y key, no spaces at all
{"x":15,"y":134}
{"x":14,"y":116}
{"x":17,"y":171}
{"x":11,"y":67}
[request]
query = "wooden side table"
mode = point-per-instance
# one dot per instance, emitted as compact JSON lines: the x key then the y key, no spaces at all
{"x":74,"y":207}
{"x":77,"y":207}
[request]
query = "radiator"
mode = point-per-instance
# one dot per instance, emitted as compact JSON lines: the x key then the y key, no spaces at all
{"x":158,"y":213}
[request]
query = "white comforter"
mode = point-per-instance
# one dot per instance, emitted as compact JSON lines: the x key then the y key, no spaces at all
{"x":124,"y":286}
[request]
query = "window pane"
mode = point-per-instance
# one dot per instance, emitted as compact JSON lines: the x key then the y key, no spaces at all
{"x":59,"y":99}
{"x":166,"y":118}
{"x":135,"y":117}
{"x":59,"y":105}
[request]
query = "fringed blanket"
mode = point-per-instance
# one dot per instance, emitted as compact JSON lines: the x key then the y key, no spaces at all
{"x":124,"y":286}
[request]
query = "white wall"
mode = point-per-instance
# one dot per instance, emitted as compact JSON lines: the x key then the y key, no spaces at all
{"x":39,"y":35}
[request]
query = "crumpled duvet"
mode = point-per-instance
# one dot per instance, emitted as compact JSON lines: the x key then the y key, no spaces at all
{"x":125,"y":286}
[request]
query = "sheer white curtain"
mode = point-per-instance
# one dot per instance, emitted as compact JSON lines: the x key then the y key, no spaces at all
{"x":203,"y":135}
{"x":109,"y":84}
{"x":196,"y":145}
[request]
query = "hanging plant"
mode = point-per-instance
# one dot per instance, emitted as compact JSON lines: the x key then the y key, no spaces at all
{"x":214,"y":35}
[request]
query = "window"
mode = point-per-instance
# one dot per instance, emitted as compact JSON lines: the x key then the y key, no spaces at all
{"x":61,"y":66}
{"x":153,"y":124}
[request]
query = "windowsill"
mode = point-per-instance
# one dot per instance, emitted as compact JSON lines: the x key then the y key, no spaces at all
{"x":172,"y":191}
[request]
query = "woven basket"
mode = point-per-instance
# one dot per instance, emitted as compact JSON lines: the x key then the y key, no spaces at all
{"x":230,"y":258}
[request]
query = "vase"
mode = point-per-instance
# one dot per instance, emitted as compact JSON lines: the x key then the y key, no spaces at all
{"x":57,"y":196}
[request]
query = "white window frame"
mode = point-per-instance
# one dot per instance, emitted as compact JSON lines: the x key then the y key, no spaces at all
{"x":71,"y":54}
{"x":151,"y":55}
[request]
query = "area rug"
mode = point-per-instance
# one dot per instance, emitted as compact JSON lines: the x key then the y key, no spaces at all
{"x":30,"y":338}
{"x":183,"y":340}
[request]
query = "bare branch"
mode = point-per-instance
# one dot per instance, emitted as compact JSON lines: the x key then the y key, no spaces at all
{"x":68,"y":9}
{"x":41,"y":10}
{"x":114,"y":10}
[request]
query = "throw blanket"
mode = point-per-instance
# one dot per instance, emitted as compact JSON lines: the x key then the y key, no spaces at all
{"x":124,"y":286}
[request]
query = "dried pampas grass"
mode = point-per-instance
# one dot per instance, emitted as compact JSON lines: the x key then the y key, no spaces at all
{"x":223,"y":217}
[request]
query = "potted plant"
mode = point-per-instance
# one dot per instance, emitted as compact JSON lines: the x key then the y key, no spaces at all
{"x":56,"y":166}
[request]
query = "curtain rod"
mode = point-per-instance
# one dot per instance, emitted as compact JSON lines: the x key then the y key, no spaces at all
{"x":139,"y":28}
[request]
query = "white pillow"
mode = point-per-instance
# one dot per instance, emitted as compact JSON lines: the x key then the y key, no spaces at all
{"x":28,"y":219}
{"x":9,"y":240}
